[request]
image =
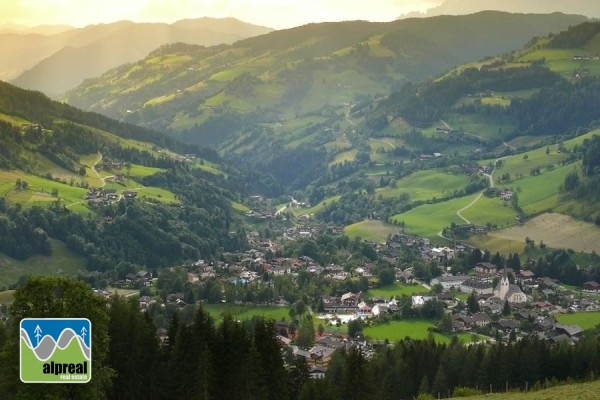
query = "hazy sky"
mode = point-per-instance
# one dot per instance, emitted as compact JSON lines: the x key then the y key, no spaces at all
{"x":273,"y":13}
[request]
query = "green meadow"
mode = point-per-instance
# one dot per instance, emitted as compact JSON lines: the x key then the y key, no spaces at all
{"x":490,"y":210}
{"x":572,"y":391}
{"x":395,"y":290}
{"x":316,"y":208}
{"x":39,"y":191}
{"x":585,"y":320}
{"x":426,"y":185}
{"x":411,"y":328}
{"x":243,"y":312}
{"x":375,"y":230}
{"x":61,"y":262}
{"x":429,"y":219}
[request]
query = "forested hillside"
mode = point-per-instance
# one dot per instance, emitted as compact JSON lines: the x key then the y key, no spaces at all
{"x":119,"y":195}
{"x":292,"y":73}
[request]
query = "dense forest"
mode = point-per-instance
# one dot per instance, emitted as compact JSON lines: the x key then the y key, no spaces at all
{"x":134,"y":232}
{"x":229,"y":359}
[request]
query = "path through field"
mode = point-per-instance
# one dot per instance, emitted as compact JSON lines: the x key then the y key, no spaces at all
{"x":103,"y":180}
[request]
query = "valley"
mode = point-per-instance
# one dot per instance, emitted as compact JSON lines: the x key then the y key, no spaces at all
{"x":415,"y":201}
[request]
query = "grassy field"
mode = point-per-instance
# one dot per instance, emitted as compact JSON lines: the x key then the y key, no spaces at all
{"x":425,"y":185}
{"x":585,"y":320}
{"x":316,"y":208}
{"x":242,"y":312}
{"x":556,"y":231}
{"x":139,"y":171}
{"x":414,"y":329}
{"x":427,"y":220}
{"x":39,"y":190}
{"x":396,"y":290}
{"x":62,"y":262}
{"x":375,"y":230}
{"x":494,"y":244}
{"x":576,"y":391}
{"x":346,"y":156}
{"x":490,"y":210}
{"x":7,"y":296}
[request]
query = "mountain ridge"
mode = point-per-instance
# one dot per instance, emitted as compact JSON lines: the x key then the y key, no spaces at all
{"x":295,"y":77}
{"x":44,"y":65}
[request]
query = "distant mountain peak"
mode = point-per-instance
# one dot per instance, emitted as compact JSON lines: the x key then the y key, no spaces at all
{"x":588,"y":8}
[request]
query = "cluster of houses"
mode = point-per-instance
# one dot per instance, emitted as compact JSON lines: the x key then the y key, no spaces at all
{"x":101,"y":196}
{"x":503,"y":194}
{"x":531,"y":298}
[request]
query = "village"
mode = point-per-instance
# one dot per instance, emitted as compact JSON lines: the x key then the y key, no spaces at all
{"x":508,"y":304}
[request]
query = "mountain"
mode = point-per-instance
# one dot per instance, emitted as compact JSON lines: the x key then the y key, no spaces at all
{"x":61,"y":61}
{"x":106,"y":192}
{"x":40,"y":29}
{"x":589,"y":8}
{"x":278,"y":89}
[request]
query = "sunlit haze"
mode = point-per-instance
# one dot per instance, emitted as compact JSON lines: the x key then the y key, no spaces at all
{"x":276,"y":14}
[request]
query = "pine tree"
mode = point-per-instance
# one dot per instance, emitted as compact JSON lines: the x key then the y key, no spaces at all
{"x":270,"y":356}
{"x":472,"y":303}
{"x":357,"y":382}
{"x":506,"y":309}
{"x":440,"y":382}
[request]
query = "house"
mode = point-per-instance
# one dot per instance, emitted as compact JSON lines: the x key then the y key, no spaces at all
{"x":446,"y":297}
{"x":317,"y":372}
{"x":364,"y":310}
{"x":591,"y":286}
{"x":449,"y":282}
{"x":350,"y":299}
{"x":486,"y":268}
{"x":129,"y":194}
{"x":477,"y":285}
{"x":525,"y":276}
{"x":544,"y":323}
{"x":380,"y":308}
{"x":505,"y":325}
{"x":419,"y":301}
{"x":569,"y":330}
{"x":481,"y":319}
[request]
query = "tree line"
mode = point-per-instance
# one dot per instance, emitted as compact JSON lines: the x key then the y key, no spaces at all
{"x":206,"y":359}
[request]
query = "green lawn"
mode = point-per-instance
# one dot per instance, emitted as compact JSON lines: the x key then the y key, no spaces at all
{"x":62,"y":262}
{"x":242,"y":312}
{"x":425,"y":185}
{"x":316,"y":208}
{"x":586,"y":320}
{"x":574,"y":391}
{"x":413,"y":328}
{"x":490,"y":210}
{"x":39,"y":190}
{"x":396,"y":290}
{"x":375,"y":230}
{"x":140,"y":171}
{"x":427,"y":220}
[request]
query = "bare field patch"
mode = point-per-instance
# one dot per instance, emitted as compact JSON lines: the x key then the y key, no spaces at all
{"x":556,"y":231}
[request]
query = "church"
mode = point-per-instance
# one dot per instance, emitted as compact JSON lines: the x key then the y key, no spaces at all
{"x":509,"y":291}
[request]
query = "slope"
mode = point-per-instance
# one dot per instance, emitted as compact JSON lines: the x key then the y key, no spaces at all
{"x":70,"y":57}
{"x":287,"y":74}
{"x":93,"y":193}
